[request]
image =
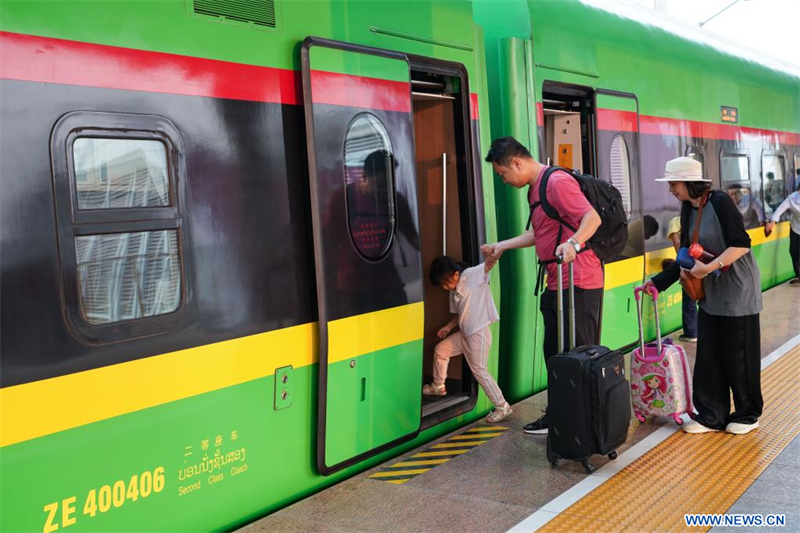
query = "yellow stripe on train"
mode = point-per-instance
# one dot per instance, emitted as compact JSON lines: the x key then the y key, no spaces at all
{"x":45,"y":407}
{"x":631,"y":270}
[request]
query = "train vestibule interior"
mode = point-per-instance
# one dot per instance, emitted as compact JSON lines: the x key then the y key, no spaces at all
{"x":569,"y":122}
{"x":439,"y":108}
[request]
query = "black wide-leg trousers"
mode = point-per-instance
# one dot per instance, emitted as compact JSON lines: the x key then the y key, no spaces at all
{"x":794,"y":251}
{"x":728,"y":361}
{"x":587,"y":319}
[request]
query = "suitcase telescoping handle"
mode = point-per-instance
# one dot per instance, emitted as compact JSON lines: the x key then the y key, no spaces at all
{"x":560,"y":304}
{"x":653,"y":292}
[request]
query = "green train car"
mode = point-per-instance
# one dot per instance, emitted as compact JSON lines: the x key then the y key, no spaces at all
{"x":217,"y":217}
{"x":617,"y":93}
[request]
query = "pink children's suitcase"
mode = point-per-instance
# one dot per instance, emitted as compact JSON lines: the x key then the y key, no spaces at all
{"x":661,"y":382}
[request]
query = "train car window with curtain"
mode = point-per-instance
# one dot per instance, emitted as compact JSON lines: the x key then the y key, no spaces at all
{"x":774,"y":181}
{"x":369,"y":182}
{"x":126,"y":275}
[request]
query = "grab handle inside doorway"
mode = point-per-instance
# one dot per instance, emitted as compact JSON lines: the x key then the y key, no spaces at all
{"x":444,"y":204}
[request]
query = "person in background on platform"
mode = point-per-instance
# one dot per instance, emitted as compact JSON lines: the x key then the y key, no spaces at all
{"x":791,"y":204}
{"x":474,"y":310}
{"x":729,"y":331}
{"x":773,"y":191}
{"x":515,"y":165}
{"x":689,"y":306}
{"x":747,"y":205}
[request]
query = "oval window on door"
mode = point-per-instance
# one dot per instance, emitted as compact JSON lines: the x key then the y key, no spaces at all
{"x":621,"y":171}
{"x":369,"y":182}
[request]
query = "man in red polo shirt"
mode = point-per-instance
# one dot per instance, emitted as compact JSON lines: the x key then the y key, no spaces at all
{"x":514,"y":163}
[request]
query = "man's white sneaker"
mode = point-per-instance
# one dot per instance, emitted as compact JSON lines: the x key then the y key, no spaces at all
{"x":696,"y":427}
{"x":499,"y":413}
{"x":741,"y":429}
{"x":434,"y":390}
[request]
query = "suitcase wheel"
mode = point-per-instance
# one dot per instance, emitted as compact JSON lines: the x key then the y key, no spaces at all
{"x":553,"y":462}
{"x":587,"y":464}
{"x":677,"y":420}
{"x":641,"y":418}
{"x":612,"y":455}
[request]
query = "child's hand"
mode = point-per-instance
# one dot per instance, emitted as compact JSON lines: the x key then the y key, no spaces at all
{"x":492,"y":252}
{"x":443,"y":332}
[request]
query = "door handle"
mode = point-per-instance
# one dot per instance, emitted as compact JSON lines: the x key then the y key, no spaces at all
{"x":444,"y":204}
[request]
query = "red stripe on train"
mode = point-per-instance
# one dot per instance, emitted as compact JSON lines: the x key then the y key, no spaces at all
{"x":608,"y":119}
{"x":47,"y":60}
{"x":359,"y":91}
{"x":611,"y":120}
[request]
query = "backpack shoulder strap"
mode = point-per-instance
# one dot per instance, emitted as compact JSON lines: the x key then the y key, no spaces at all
{"x":703,"y":201}
{"x":549,"y":210}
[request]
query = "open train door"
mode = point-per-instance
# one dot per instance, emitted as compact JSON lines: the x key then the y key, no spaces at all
{"x":361,"y":159}
{"x":618,"y":161}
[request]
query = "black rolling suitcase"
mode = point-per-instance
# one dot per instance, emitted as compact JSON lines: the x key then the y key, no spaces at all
{"x":588,"y":395}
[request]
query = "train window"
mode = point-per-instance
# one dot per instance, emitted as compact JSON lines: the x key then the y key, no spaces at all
{"x":122,"y":236}
{"x":735,"y":171}
{"x":120,"y":173}
{"x":735,"y":167}
{"x":124,"y":276}
{"x":796,"y":184}
{"x":369,"y":180}
{"x":621,"y":171}
{"x":774,"y":181}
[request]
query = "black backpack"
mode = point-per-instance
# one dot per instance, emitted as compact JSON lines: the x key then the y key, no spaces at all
{"x":610,"y":238}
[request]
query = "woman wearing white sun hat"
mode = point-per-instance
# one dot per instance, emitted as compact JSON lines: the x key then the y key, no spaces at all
{"x":729,"y":332}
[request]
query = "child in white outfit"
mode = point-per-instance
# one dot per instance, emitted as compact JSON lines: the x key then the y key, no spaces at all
{"x":473,"y":305}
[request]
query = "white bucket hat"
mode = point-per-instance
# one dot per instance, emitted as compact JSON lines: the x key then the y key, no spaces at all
{"x":683,"y":169}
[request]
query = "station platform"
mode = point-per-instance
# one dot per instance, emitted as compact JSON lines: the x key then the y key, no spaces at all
{"x":496,"y":478}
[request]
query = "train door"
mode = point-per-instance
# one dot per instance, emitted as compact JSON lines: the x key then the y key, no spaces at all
{"x":446,"y":201}
{"x":360,"y":135}
{"x":617,"y":148}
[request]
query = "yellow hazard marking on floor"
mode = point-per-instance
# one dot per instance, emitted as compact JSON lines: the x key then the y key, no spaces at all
{"x":474,"y":436}
{"x":420,"y":463}
{"x":485,"y":428}
{"x":405,"y":470}
{"x":703,"y":473}
{"x":459,"y":444}
{"x":400,"y":472}
{"x":440,"y":453}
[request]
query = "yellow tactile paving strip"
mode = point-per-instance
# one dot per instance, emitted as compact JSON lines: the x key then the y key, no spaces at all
{"x":437,"y":454}
{"x":703,"y":473}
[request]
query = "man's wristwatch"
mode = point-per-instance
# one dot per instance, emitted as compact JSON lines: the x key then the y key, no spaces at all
{"x":575,"y":244}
